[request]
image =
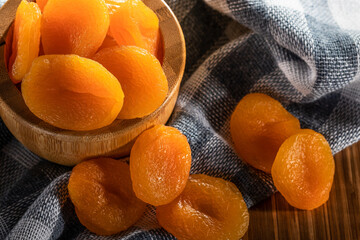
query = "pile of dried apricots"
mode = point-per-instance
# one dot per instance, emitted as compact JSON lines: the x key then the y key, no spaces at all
{"x":83,"y":64}
{"x":81,"y":72}
{"x":188,"y":206}
{"x":198,"y":206}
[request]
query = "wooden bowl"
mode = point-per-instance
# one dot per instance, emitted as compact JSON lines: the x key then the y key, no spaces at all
{"x":70,"y":147}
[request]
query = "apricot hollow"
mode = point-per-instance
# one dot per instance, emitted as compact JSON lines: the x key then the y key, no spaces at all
{"x":303,"y":170}
{"x":70,"y":27}
{"x":102,"y":194}
{"x":71,"y":92}
{"x":141,"y":76}
{"x":25,"y":40}
{"x":208,"y":208}
{"x":258,"y":126}
{"x":160,"y":162}
{"x":133,"y":23}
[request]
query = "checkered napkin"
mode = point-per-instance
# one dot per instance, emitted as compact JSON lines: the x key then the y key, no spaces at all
{"x":304,"y":53}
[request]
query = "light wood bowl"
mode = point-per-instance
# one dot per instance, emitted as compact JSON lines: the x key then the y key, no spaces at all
{"x":70,"y":147}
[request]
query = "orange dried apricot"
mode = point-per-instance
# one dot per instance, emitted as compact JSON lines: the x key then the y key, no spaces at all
{"x":102,"y":194}
{"x":303,"y":170}
{"x":113,"y":5}
{"x":160,"y":162}
{"x":208,"y":208}
{"x":141,"y":76}
{"x":72,"y":92}
{"x":25,"y":40}
{"x":41,"y":4}
{"x":133,"y":23}
{"x":258,"y":126}
{"x":69,"y":28}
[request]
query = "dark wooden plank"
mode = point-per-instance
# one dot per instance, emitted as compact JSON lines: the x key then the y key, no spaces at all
{"x":339,"y":218}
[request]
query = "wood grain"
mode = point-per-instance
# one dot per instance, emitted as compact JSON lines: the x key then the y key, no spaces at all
{"x":7,"y":14}
{"x":70,"y":147}
{"x":339,"y":218}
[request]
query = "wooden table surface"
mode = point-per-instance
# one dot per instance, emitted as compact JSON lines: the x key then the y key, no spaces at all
{"x":338,"y":219}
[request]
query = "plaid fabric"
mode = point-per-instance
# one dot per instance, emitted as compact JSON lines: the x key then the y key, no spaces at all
{"x":304,"y":53}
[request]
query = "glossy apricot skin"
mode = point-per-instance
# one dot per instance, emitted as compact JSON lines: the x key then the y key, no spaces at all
{"x":133,"y":23}
{"x":303,"y":170}
{"x":160,"y":162}
{"x":258,"y":127}
{"x":69,"y":28}
{"x":101,"y":191}
{"x":24,"y":38}
{"x":208,"y":208}
{"x":141,"y":76}
{"x":71,"y":92}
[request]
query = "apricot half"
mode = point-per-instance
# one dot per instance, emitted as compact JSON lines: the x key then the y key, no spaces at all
{"x":208,"y":208}
{"x":25,"y":40}
{"x":160,"y":162}
{"x":74,"y":27}
{"x":303,"y":170}
{"x":72,"y":92}
{"x":258,"y":126}
{"x":102,"y":193}
{"x":141,"y":76}
{"x":133,"y":23}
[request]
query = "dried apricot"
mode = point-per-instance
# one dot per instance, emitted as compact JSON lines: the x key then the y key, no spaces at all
{"x":69,"y":28}
{"x":160,"y":162}
{"x":41,"y":4}
{"x":72,"y":92}
{"x":113,"y":5}
{"x":208,"y":208}
{"x":303,"y":170}
{"x":133,"y":23}
{"x":25,"y":40}
{"x":101,"y":191}
{"x":141,"y":76}
{"x":258,"y":126}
